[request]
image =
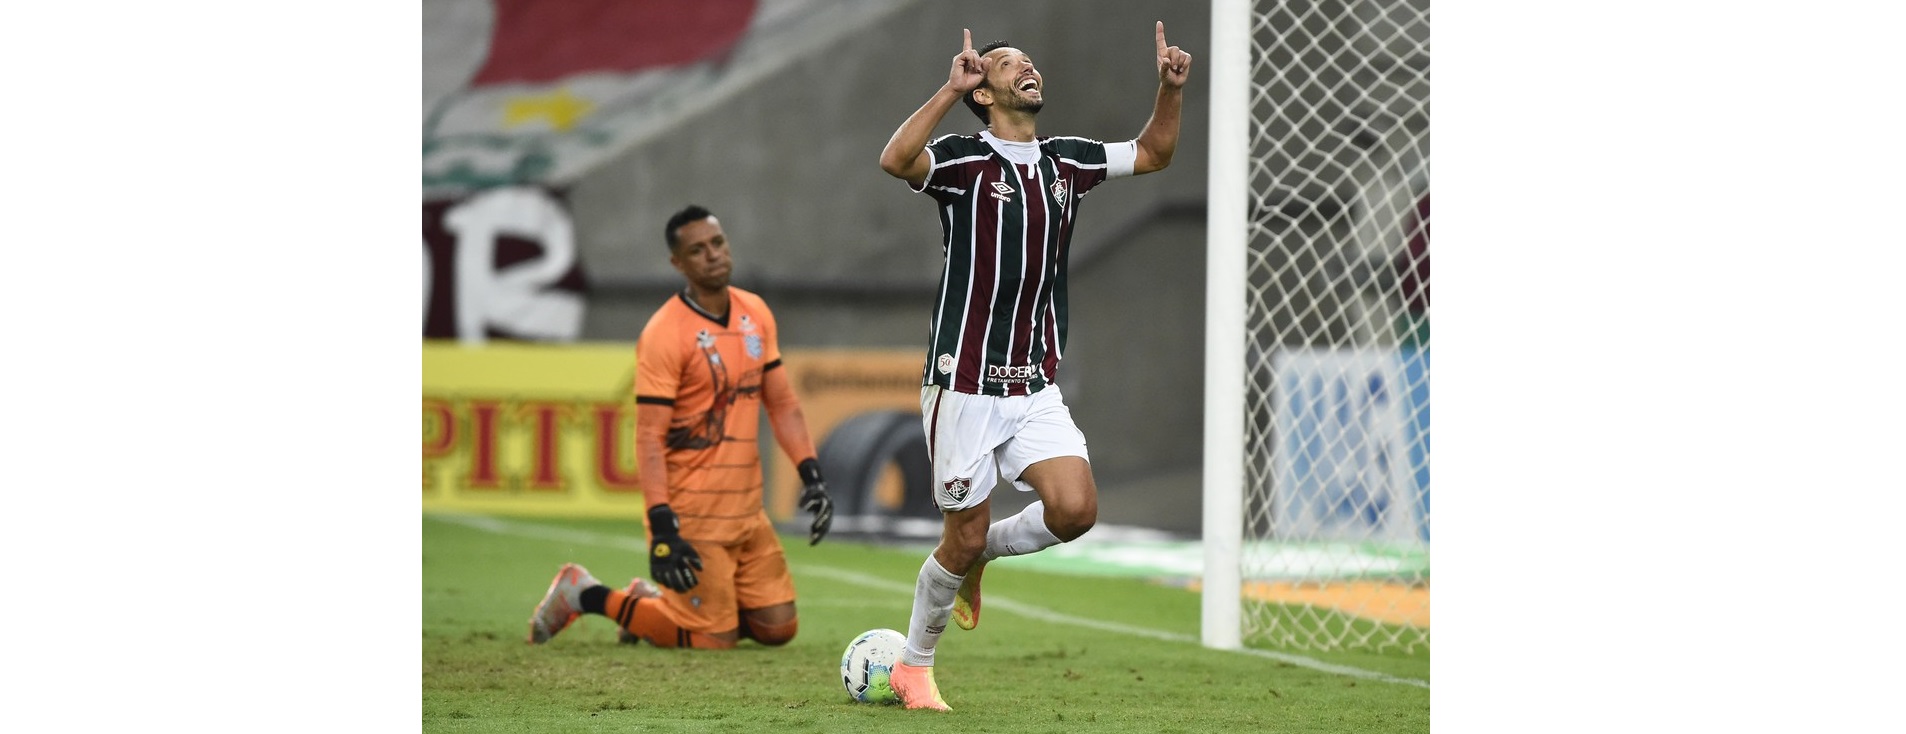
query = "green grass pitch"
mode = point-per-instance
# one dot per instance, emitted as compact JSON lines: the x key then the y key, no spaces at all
{"x":1055,"y":653}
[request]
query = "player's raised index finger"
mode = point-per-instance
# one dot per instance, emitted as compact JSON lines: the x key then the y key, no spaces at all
{"x":1161,"y":38}
{"x":966,"y":40}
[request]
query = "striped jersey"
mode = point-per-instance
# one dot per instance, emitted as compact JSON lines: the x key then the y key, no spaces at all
{"x":708,"y":369}
{"x":999,"y":321}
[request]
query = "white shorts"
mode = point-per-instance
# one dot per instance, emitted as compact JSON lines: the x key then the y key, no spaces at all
{"x":974,"y":439}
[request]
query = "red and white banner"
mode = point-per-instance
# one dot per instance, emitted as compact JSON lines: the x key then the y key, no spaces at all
{"x":539,"y":91}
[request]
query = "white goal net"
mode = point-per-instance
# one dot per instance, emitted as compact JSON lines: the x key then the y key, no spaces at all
{"x":1318,"y":504}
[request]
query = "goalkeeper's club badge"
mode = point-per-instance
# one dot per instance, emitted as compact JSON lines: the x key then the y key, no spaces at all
{"x":750,"y":339}
{"x":954,"y":491}
{"x":946,"y":364}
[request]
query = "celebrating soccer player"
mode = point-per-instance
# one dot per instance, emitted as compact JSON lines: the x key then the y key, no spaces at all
{"x":708,"y":360}
{"x":1007,"y":199}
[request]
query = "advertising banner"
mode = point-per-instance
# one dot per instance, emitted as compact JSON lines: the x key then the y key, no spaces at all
{"x":549,"y":429}
{"x":530,"y":429}
{"x":863,"y":410}
{"x":1352,"y":456}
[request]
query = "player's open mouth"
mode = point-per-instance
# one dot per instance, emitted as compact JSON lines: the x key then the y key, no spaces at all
{"x":1029,"y":85}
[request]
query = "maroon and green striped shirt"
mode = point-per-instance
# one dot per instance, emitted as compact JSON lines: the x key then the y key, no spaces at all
{"x":999,"y":323}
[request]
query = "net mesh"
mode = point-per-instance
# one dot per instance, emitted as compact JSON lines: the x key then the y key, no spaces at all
{"x":1336,"y":516}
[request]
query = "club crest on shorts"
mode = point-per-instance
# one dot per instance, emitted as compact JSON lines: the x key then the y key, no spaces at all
{"x":953,"y":491}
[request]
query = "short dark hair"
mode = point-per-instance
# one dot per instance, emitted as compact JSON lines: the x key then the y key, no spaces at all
{"x":691,"y":213}
{"x":977,"y":108}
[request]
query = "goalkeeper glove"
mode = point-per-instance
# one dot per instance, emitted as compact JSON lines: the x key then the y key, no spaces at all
{"x":672,"y":561}
{"x":814,"y":499}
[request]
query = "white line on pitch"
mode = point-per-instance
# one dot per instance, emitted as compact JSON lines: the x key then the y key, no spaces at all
{"x":623,"y":542}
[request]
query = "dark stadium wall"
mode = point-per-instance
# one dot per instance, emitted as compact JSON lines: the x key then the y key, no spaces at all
{"x":849,"y":255}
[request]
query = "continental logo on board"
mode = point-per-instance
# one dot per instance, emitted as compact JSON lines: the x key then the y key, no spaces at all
{"x":852,"y":378}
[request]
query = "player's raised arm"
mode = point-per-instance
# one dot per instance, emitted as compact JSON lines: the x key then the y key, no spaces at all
{"x":905,"y":155}
{"x":1159,"y":140}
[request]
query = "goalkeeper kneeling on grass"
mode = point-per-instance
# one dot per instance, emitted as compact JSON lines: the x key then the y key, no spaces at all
{"x":707,"y":362}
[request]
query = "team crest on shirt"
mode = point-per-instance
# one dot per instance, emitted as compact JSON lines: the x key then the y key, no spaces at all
{"x":1059,"y":191}
{"x":953,"y":491}
{"x":750,"y":340}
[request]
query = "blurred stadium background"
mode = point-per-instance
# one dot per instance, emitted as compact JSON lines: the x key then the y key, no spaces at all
{"x":568,"y":123}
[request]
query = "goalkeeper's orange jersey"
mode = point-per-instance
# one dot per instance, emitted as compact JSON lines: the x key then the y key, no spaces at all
{"x":709,"y":369}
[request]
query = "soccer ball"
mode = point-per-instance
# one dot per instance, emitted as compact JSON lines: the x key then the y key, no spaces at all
{"x":868,"y":661}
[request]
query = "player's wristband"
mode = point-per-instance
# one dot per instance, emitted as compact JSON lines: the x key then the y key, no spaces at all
{"x":663,"y":523}
{"x":810,"y":471}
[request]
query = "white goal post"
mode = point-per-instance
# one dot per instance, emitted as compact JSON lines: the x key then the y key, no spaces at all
{"x":1316,"y":456}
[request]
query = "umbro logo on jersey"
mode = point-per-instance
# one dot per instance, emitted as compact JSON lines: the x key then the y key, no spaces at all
{"x":1002,"y":192}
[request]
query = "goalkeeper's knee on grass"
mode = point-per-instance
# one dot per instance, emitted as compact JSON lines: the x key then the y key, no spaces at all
{"x":775,"y":634}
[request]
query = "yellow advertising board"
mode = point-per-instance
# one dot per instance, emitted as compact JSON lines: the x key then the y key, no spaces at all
{"x":530,"y":429}
{"x":548,"y":429}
